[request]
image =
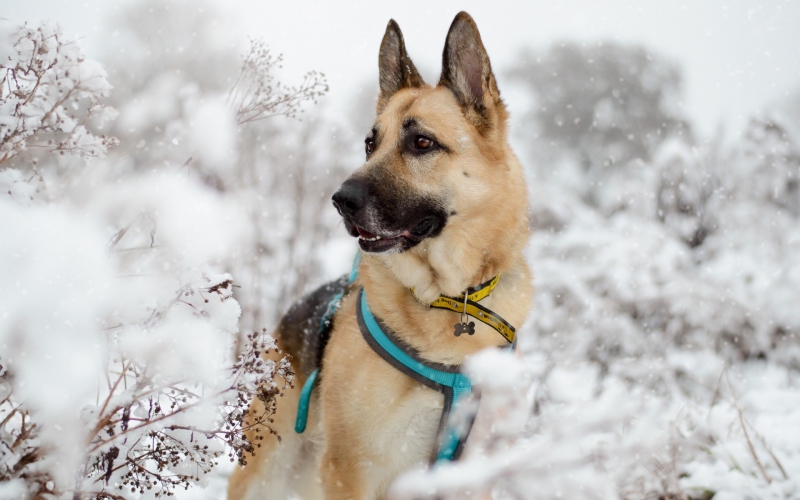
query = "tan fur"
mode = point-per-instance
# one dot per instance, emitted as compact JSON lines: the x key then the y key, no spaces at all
{"x":375,"y":421}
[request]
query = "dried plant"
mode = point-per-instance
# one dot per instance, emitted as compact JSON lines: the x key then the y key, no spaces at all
{"x":140,"y":439}
{"x":136,"y":440}
{"x":18,"y":442}
{"x":256,"y":95}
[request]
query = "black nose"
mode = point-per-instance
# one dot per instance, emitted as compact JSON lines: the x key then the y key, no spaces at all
{"x":350,"y":198}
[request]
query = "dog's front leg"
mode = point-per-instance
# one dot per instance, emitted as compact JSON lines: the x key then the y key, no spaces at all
{"x":342,"y":476}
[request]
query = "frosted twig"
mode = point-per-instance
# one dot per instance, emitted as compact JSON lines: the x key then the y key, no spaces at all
{"x":750,"y":446}
{"x":769,"y":450}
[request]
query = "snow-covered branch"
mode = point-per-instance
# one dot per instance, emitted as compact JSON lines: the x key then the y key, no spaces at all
{"x":48,"y":93}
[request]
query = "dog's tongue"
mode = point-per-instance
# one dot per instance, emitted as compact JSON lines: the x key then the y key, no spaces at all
{"x":365,"y":234}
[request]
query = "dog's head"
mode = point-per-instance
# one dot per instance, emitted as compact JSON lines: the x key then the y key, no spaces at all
{"x":437,"y":155}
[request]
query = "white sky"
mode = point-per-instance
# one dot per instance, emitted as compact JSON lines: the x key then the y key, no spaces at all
{"x":737,"y":55}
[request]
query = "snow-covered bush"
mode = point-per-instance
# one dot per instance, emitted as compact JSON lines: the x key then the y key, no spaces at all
{"x":178,"y":81}
{"x":604,"y":103}
{"x":256,"y":95}
{"x":50,"y":100}
{"x":49,"y":92}
{"x":122,"y":370}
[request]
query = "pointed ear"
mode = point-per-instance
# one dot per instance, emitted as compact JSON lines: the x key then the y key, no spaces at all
{"x":395,"y":67}
{"x":467,"y":72}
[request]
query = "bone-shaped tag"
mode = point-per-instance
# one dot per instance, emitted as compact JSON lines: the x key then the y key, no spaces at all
{"x":460,"y":328}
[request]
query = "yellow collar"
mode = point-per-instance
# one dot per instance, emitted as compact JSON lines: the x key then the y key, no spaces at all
{"x":471,"y":307}
{"x":479,"y":292}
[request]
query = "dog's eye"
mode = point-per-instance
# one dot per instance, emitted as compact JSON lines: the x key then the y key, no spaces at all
{"x":422,"y":142}
{"x":369,"y":146}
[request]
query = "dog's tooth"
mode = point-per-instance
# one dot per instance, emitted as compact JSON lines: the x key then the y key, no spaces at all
{"x":377,"y":237}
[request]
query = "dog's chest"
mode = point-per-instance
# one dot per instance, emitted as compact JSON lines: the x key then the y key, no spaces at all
{"x":394,"y":417}
{"x":411,"y":423}
{"x":404,"y":431}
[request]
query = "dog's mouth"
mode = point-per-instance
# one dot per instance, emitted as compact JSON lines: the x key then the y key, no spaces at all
{"x":385,"y":218}
{"x":386,"y":241}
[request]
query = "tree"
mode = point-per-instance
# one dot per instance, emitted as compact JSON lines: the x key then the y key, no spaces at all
{"x":768,"y":169}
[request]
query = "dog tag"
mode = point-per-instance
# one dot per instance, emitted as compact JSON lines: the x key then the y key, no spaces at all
{"x":460,"y":328}
{"x":463,"y":326}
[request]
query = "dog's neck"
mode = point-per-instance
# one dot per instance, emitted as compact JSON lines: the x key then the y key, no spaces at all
{"x":448,"y":267}
{"x":392,"y":300}
{"x":430,"y":279}
{"x":436,"y":272}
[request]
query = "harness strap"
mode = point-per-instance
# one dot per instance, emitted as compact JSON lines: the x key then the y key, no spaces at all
{"x":325,"y":324}
{"x":439,"y":377}
{"x":305,"y":401}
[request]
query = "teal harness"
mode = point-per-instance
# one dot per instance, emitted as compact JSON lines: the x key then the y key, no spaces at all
{"x":447,"y":379}
{"x":442,"y":378}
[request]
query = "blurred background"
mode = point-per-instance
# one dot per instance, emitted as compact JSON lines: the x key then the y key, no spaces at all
{"x":661,"y":142}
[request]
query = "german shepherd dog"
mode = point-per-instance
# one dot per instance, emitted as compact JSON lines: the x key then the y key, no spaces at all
{"x":439,"y":206}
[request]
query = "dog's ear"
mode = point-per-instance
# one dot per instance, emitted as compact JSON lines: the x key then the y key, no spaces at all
{"x":466,"y":71}
{"x":395,"y":67}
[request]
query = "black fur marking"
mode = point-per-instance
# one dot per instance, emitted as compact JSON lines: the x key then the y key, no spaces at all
{"x":409,"y":122}
{"x":375,"y":138}
{"x":380,"y":203}
{"x":400,"y":207}
{"x":300,"y":332}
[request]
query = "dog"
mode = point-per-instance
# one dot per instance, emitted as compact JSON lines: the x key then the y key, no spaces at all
{"x":439,"y":207}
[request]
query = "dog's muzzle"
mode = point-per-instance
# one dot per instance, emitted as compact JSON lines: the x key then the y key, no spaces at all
{"x":387,"y":219}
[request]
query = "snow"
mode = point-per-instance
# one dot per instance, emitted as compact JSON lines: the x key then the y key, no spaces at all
{"x":195,"y":223}
{"x":155,"y":104}
{"x":660,"y":360}
{"x":14,"y":184}
{"x":62,"y":290}
{"x":212,"y":133}
{"x":52,"y":295}
{"x":12,"y":490}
